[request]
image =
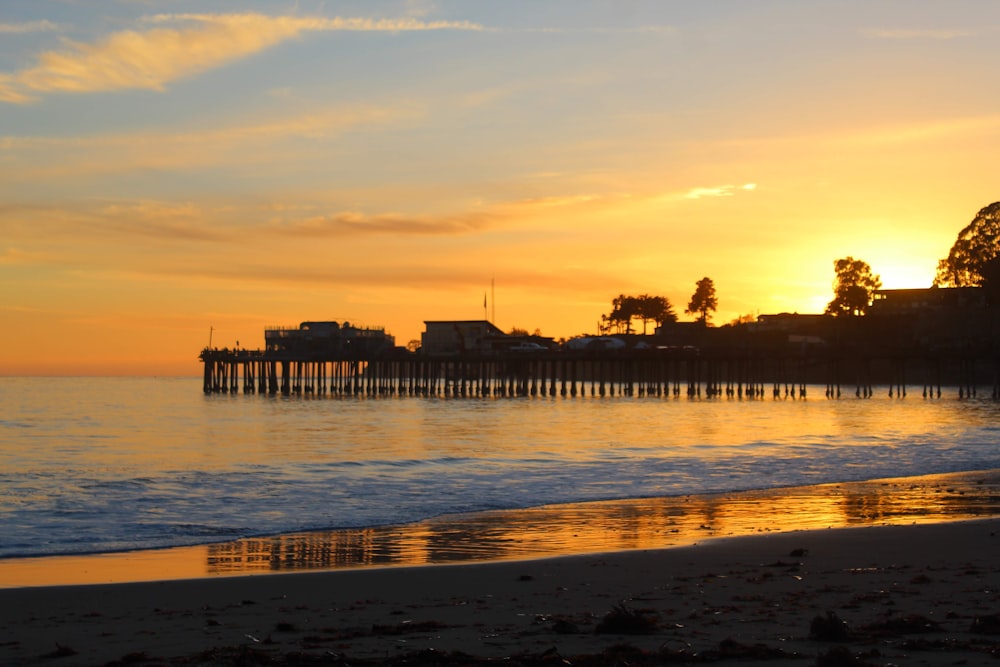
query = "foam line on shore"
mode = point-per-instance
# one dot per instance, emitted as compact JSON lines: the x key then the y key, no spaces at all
{"x":553,"y":530}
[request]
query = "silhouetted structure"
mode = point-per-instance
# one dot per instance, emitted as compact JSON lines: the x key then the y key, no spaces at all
{"x":927,"y":338}
{"x":927,"y":301}
{"x":459,"y":336}
{"x":327,"y":340}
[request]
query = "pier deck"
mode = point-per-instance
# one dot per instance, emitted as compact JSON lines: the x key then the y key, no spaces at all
{"x":736,"y":373}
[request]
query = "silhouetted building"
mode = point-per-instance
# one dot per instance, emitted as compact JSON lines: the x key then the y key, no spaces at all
{"x":789,"y":323}
{"x":459,"y":336}
{"x":314,"y":340}
{"x":917,"y":301}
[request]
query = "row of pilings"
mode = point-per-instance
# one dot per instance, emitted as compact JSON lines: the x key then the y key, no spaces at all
{"x":610,"y":374}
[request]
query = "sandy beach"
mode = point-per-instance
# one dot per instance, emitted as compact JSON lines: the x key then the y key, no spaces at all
{"x":880,"y":595}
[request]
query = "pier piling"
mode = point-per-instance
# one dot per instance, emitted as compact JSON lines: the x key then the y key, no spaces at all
{"x":711,"y":374}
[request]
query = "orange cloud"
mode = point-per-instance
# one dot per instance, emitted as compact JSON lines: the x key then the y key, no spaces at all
{"x":9,"y":91}
{"x":183,"y":222}
{"x":343,"y":224}
{"x":17,"y":256}
{"x":153,"y":58}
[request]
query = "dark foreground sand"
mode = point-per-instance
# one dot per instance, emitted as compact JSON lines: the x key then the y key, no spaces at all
{"x":899,"y":595}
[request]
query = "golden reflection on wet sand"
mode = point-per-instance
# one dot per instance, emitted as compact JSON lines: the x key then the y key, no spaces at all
{"x":552,"y":530}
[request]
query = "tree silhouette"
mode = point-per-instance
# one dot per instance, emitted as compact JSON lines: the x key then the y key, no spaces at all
{"x":853,"y":287}
{"x":654,"y":309}
{"x":623,"y":309}
{"x":974,"y":259}
{"x":703,"y":300}
{"x":647,"y":308}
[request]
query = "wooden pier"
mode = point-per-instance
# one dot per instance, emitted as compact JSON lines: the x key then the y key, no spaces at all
{"x":733,"y":373}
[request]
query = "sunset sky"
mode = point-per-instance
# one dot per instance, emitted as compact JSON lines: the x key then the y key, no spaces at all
{"x":171,"y":166}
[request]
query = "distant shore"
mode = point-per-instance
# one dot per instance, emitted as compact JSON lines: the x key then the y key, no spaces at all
{"x":541,"y":532}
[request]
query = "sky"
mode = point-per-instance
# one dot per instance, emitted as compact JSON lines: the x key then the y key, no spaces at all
{"x":174,"y":172}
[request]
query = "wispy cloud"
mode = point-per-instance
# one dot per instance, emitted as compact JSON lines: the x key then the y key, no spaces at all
{"x":44,"y":157}
{"x":9,"y":91}
{"x":28,"y":27}
{"x":109,"y":223}
{"x":719,"y":191}
{"x":305,"y":23}
{"x":353,"y":224}
{"x":182,"y":221}
{"x":630,"y":30}
{"x":982,"y":128}
{"x":933,"y":130}
{"x":915,"y":33}
{"x":17,"y":256}
{"x":187,"y":45}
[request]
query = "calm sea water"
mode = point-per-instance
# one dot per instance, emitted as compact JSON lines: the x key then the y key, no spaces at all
{"x":106,"y":464}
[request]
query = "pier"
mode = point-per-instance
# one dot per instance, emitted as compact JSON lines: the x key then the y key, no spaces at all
{"x":787,"y":372}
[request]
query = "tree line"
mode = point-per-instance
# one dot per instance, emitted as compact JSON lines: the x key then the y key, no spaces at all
{"x":658,"y":309}
{"x":973,"y":261}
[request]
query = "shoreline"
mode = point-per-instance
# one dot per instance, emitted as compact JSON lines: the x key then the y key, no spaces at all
{"x":540,"y":532}
{"x":916,"y":595}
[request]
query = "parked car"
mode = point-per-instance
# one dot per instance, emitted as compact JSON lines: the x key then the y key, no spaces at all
{"x":595,"y":343}
{"x":528,"y":347}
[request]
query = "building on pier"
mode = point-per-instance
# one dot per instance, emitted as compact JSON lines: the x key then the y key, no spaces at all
{"x":316,"y":340}
{"x":447,"y":337}
{"x":931,"y":338}
{"x":930,"y":300}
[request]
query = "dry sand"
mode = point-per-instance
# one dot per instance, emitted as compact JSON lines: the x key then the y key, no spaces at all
{"x":901,"y":595}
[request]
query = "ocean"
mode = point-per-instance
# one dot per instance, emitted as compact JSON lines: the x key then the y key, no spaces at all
{"x":98,"y":465}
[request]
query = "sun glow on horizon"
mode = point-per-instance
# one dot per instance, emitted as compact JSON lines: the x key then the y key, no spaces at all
{"x":165,"y":171}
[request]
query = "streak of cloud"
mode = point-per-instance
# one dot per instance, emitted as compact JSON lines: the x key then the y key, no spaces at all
{"x":666,"y":30}
{"x":151,"y":59}
{"x":17,"y":256}
{"x":179,"y":149}
{"x":951,"y":129}
{"x":936,"y":129}
{"x":28,"y":27}
{"x":163,"y":221}
{"x":718,"y":191}
{"x":912,"y":33}
{"x":353,"y":224}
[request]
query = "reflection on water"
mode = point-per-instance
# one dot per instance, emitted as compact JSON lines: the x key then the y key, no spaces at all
{"x":128,"y":464}
{"x":618,"y":525}
{"x":541,"y":532}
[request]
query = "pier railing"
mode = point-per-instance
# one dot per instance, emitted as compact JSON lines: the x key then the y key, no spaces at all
{"x":743,"y":372}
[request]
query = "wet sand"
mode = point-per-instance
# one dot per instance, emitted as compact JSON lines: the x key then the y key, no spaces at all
{"x":905,"y":595}
{"x":766,"y":565}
